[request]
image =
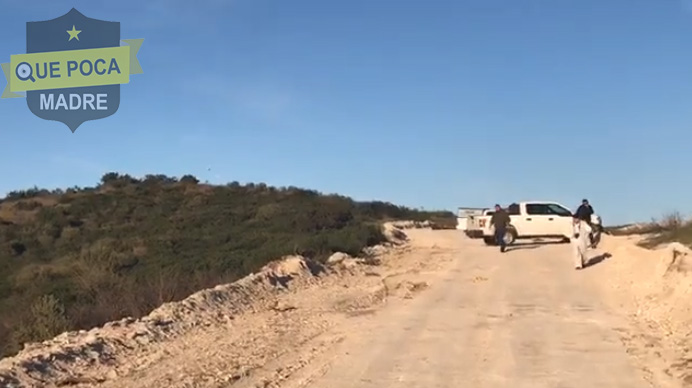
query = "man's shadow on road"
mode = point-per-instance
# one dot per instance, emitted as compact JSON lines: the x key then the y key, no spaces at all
{"x":531,"y":245}
{"x":597,"y":259}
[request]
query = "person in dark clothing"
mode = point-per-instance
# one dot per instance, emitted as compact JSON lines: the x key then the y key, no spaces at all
{"x":500,"y":220}
{"x":584,"y":213}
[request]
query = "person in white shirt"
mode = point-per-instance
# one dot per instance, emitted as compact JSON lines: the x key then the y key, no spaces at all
{"x":580,"y":241}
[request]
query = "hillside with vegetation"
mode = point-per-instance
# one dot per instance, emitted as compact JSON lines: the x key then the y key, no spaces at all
{"x":77,"y":258}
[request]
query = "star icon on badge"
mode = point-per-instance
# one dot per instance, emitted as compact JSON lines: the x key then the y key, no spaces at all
{"x":74,"y":33}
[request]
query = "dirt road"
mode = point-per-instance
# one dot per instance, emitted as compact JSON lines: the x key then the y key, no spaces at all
{"x":441,"y":311}
{"x":520,"y":319}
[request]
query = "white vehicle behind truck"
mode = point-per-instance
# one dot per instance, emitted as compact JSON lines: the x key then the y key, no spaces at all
{"x":534,"y":219}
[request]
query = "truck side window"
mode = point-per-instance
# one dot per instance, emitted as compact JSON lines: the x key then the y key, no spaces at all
{"x":537,"y":209}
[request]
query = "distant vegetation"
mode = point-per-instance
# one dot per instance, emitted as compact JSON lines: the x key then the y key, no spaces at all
{"x":671,"y":227}
{"x":80,"y":257}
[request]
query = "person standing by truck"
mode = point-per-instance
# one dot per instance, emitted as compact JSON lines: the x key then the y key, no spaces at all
{"x":580,"y":242}
{"x":500,"y":220}
{"x":584,"y":213}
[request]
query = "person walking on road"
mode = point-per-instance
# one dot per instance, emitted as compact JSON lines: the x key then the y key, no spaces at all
{"x":500,"y":220}
{"x":584,"y":213}
{"x":580,"y":242}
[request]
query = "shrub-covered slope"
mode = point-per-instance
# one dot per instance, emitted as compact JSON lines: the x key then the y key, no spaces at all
{"x":81,"y":257}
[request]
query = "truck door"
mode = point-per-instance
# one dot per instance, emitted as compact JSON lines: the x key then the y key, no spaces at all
{"x":561,"y":223}
{"x":537,"y":220}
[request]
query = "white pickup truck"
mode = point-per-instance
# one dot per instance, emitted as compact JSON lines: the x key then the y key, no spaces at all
{"x":534,"y":219}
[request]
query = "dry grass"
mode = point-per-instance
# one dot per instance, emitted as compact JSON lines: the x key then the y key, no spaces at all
{"x":670,"y":227}
{"x":668,"y":222}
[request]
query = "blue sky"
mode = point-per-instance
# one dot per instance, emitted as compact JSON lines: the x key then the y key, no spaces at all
{"x":429,"y":103}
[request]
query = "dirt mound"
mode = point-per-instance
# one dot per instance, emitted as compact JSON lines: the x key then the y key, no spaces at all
{"x":411,"y":224}
{"x":654,"y":277}
{"x":657,"y":286}
{"x":679,"y":258}
{"x":90,"y":356}
{"x":394,"y":230}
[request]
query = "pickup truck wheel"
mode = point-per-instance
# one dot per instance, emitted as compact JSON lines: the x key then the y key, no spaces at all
{"x":489,"y":240}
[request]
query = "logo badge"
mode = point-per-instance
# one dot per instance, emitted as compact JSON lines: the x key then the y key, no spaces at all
{"x":72,"y":69}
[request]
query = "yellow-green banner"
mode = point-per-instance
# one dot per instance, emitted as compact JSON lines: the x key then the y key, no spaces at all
{"x":72,"y":68}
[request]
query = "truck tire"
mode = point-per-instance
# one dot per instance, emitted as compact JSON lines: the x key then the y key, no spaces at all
{"x":510,"y":237}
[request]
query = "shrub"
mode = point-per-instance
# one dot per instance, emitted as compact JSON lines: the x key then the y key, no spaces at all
{"x":189,"y":179}
{"x":45,"y":319}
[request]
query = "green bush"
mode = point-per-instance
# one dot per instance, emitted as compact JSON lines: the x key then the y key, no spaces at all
{"x":44,"y":319}
{"x":86,"y":256}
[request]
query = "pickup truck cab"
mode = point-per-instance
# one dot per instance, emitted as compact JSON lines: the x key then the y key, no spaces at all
{"x":534,"y":219}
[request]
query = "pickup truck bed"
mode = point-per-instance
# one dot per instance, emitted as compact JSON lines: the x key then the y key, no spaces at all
{"x":472,"y":221}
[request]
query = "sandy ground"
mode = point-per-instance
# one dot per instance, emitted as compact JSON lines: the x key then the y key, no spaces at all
{"x":522,"y":319}
{"x":440,"y":311}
